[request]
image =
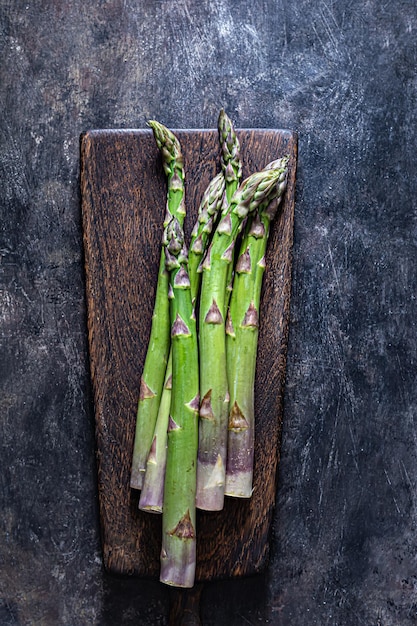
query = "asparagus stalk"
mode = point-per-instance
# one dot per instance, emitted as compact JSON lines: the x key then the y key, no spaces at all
{"x":153,"y":374}
{"x":241,"y":345}
{"x":232,"y":169}
{"x":214,"y":391}
{"x":178,"y":552}
{"x":152,"y":494}
{"x":210,"y":206}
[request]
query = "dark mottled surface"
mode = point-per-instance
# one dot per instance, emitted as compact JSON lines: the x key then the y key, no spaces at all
{"x":344,"y":75}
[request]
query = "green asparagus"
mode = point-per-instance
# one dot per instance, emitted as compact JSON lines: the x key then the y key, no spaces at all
{"x":241,"y":344}
{"x":178,"y":553}
{"x":153,"y":374}
{"x":214,"y":390}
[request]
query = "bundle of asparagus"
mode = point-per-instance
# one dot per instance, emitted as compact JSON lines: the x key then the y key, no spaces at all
{"x":195,"y":421}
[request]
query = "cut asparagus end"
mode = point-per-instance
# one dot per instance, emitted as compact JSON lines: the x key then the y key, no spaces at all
{"x":137,"y":478}
{"x":210,"y":485}
{"x":239,"y":485}
{"x":239,"y":473}
{"x":178,"y":555}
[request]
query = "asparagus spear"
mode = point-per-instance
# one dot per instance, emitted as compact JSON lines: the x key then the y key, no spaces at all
{"x":178,"y":552}
{"x":212,"y":342}
{"x":153,"y":374}
{"x":231,"y":167}
{"x":241,"y":345}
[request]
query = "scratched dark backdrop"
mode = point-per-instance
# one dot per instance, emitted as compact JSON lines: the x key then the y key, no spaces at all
{"x":343,"y":74}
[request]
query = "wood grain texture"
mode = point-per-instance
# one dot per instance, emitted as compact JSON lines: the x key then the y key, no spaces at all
{"x":123,"y":201}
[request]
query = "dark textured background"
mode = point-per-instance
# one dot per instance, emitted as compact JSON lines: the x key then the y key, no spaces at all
{"x":343,"y":74}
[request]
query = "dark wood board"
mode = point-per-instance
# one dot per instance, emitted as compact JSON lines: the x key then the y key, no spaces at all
{"x":123,"y":203}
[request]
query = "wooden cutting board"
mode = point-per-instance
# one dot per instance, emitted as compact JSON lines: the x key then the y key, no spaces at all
{"x":123,"y":205}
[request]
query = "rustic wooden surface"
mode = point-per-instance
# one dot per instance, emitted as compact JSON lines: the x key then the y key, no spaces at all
{"x":343,"y":75}
{"x":123,"y":202}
